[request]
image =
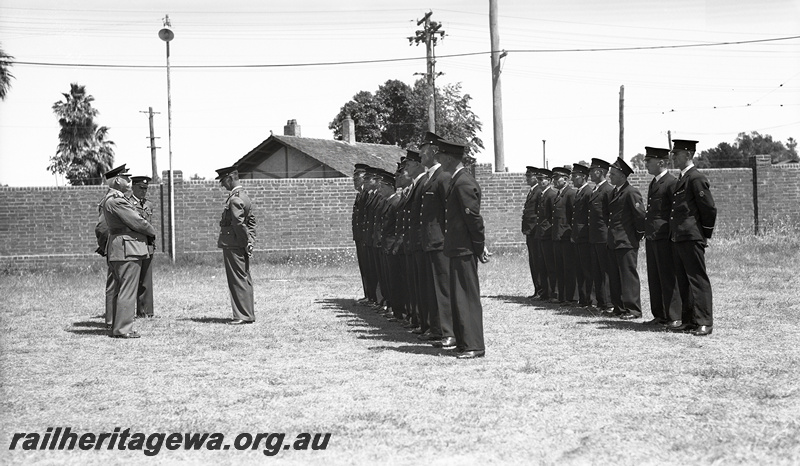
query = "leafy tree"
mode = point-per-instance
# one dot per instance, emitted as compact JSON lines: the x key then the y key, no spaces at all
{"x":637,"y":162}
{"x":747,"y":145}
{"x":398,"y":114}
{"x":84,"y":151}
{"x":5,"y":75}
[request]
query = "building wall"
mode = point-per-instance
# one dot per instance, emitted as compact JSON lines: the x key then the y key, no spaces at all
{"x":56,"y":224}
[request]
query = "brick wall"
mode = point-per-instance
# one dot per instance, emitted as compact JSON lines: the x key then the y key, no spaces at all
{"x":56,"y":224}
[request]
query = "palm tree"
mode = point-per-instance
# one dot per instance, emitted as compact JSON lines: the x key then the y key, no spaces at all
{"x":5,"y":76}
{"x":84,"y":152}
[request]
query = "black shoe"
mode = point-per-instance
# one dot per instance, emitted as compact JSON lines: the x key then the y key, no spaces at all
{"x":627,"y":315}
{"x":702,"y":330}
{"x":240,"y":322}
{"x":653,"y":322}
{"x":471,"y":354}
{"x":567,"y":303}
{"x":126,"y":335}
{"x":671,"y":324}
{"x":430,"y":337}
{"x":685,"y":328}
{"x":445,"y":343}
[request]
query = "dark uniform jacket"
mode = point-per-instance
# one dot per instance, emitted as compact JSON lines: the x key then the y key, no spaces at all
{"x":379,"y":214}
{"x":544,"y":216}
{"x":464,"y":233}
{"x":127,"y":230}
{"x":238,"y":225}
{"x":626,"y":218}
{"x":412,"y":241}
{"x":580,"y":214}
{"x":432,"y":205}
{"x":598,"y":213}
{"x":531,"y":209}
{"x":659,"y":206}
{"x":693,"y":211}
{"x":145,"y":209}
{"x":358,"y":207}
{"x":400,"y":216}
{"x":390,"y":229}
{"x":562,"y":214}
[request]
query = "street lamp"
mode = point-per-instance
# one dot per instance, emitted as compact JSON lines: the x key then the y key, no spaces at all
{"x":167,"y":35}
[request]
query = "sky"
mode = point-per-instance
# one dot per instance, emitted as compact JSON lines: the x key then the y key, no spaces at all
{"x":243,"y":68}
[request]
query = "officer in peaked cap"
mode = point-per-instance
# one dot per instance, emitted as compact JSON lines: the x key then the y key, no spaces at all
{"x":128,"y":235}
{"x":665,"y":300}
{"x":598,"y":231}
{"x":691,"y":224}
{"x":464,"y":244}
{"x":580,"y":234}
{"x":412,"y":243}
{"x":237,"y":240}
{"x":529,"y":211}
{"x":138,"y":197}
{"x":359,"y":171}
{"x":544,"y":233}
{"x":625,"y":230}
{"x":563,"y":249}
{"x":101,"y":232}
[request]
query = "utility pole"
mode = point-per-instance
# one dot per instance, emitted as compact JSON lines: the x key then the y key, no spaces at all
{"x":544,"y":156}
{"x":497,"y":93}
{"x":153,"y":147}
{"x":428,"y":35}
{"x":669,"y":146}
{"x":622,"y":122}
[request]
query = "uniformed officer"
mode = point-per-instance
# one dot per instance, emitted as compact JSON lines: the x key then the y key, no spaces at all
{"x":464,"y":244}
{"x":529,"y":212}
{"x":625,"y":230}
{"x":544,"y":233}
{"x":101,"y":232}
{"x":413,"y":243}
{"x":434,"y":197}
{"x":128,"y":233}
{"x":665,"y":300}
{"x":237,"y":238}
{"x":691,"y":224}
{"x":413,"y":170}
{"x":393,"y":247}
{"x":598,"y":231}
{"x":358,"y":206}
{"x":138,"y":197}
{"x":563,"y":248}
{"x":580,"y":234}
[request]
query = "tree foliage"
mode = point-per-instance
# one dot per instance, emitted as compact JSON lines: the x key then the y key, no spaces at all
{"x":738,"y":154}
{"x":84,"y":151}
{"x":6,"y":61}
{"x":637,"y":162}
{"x":397,"y":115}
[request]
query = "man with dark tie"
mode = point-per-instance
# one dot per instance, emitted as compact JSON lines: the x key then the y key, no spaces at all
{"x":138,"y":197}
{"x":412,"y":244}
{"x":665,"y":300}
{"x":580,"y":234}
{"x":544,"y":233}
{"x":625,"y":230}
{"x":529,"y":211}
{"x":598,"y":231}
{"x":691,"y":224}
{"x":464,"y":244}
{"x":563,"y":249}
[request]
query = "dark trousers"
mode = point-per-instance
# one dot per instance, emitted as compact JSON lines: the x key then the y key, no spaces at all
{"x":362,"y":268}
{"x":548,"y":271}
{"x":600,"y":265}
{"x":144,"y":295}
{"x":534,"y":259}
{"x":623,"y":278}
{"x":693,"y":282}
{"x":465,"y":301}
{"x":383,"y":276}
{"x":126,"y":282}
{"x":110,"y":296}
{"x":370,"y":275}
{"x":240,"y":285}
{"x":423,"y":283}
{"x":583,"y":272}
{"x":665,"y":298}
{"x":397,"y":284}
{"x":564,"y":253}
{"x":441,"y":314}
{"x":412,"y":289}
{"x":380,"y":288}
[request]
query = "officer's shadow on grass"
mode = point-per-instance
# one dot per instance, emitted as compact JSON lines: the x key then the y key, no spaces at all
{"x":209,"y":320}
{"x":415,"y":349}
{"x":366,"y":323}
{"x":512,"y":299}
{"x":88,"y":328}
{"x":616,"y":324}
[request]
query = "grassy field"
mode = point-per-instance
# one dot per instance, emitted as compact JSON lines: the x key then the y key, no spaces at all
{"x":558,"y":386}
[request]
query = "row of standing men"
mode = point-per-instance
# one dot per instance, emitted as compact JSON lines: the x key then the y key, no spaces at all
{"x":583,"y":240}
{"x":419,"y":237}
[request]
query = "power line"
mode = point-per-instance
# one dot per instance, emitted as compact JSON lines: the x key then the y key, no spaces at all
{"x":390,"y":60}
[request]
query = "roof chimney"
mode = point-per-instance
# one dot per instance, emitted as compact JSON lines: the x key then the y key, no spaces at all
{"x":348,"y":130}
{"x":291,"y":128}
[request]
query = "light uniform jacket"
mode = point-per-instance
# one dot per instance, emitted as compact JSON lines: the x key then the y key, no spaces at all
{"x":238,"y":225}
{"x":145,"y":209}
{"x":127,"y":230}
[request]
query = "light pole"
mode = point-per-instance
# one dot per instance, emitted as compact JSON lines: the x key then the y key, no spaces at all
{"x":544,"y":158}
{"x":167,"y":35}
